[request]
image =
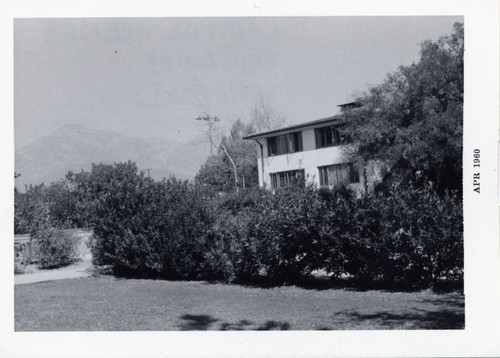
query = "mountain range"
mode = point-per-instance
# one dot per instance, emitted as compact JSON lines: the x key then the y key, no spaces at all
{"x":75,"y":147}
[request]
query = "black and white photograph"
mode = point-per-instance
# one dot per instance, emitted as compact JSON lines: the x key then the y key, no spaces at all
{"x":245,"y":174}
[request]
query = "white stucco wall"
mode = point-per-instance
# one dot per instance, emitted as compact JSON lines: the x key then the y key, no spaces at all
{"x":309,"y":159}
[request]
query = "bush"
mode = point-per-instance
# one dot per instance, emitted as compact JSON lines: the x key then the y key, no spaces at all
{"x":231,"y":252}
{"x":21,"y":256}
{"x":246,"y":198}
{"x":337,"y":231}
{"x":144,"y":228}
{"x":59,"y":205}
{"x":172,"y":229}
{"x":52,"y":247}
{"x":412,"y":238}
{"x":279,"y":237}
{"x":31,"y":209}
{"x":285,"y":228}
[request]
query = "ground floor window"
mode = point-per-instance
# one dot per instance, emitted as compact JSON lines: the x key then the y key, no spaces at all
{"x":332,"y":175}
{"x":291,"y":177}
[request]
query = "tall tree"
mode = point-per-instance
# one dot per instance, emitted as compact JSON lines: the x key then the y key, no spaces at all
{"x":415,"y":117}
{"x":235,"y":165}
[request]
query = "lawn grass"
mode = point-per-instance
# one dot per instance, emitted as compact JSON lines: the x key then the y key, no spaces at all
{"x":106,"y":303}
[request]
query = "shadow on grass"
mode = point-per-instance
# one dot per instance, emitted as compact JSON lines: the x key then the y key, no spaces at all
{"x":447,"y":313}
{"x":320,"y":283}
{"x":193,"y":322}
{"x":273,"y":325}
{"x":205,"y":322}
{"x":455,"y":302}
{"x":240,"y":326}
{"x":442,"y":319}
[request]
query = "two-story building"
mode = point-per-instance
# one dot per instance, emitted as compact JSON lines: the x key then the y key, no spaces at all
{"x":312,"y":151}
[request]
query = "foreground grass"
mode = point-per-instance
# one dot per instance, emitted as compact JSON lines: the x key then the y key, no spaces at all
{"x":106,"y":303}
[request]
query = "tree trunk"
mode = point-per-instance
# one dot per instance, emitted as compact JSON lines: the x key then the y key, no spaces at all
{"x":234,"y":166}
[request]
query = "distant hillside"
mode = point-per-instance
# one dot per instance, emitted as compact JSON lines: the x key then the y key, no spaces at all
{"x":76,"y":147}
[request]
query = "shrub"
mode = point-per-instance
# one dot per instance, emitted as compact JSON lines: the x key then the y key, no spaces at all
{"x":286,"y":228}
{"x":21,"y":256}
{"x":231,"y":253}
{"x":31,"y":209}
{"x":186,"y":223}
{"x":51,"y":247}
{"x":144,"y":228}
{"x":57,"y":205}
{"x":19,"y":268}
{"x":247,"y":198}
{"x":337,"y":231}
{"x":411,"y":238}
{"x":172,"y":229}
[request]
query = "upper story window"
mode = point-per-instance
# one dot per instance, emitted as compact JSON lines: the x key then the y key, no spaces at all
{"x":283,"y":144}
{"x":329,"y":136}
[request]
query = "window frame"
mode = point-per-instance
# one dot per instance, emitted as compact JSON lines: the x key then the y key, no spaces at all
{"x":285,"y":144}
{"x":330,"y":136}
{"x":287,"y":178}
{"x":325,"y":170}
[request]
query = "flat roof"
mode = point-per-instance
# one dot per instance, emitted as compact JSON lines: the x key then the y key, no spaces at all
{"x":337,"y":118}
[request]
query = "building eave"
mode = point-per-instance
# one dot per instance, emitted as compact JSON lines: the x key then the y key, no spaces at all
{"x":337,"y":119}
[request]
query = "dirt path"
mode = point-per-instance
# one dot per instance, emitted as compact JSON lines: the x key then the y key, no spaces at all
{"x":81,"y":268}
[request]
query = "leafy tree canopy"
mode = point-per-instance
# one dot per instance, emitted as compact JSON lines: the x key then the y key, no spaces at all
{"x":218,"y":171}
{"x":415,"y":117}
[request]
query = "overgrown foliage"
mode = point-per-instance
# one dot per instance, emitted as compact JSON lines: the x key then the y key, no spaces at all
{"x":30,"y":209}
{"x":218,"y":173}
{"x":43,"y":212}
{"x":49,"y":248}
{"x":145,"y":228}
{"x":285,"y":229}
{"x":172,"y":229}
{"x":415,"y":117}
{"x":57,"y":205}
{"x":413,"y":238}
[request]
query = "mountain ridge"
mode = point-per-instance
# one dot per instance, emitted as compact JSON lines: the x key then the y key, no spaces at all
{"x":75,"y":147}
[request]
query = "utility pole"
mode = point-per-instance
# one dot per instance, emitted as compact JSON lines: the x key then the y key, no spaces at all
{"x":148,"y":169}
{"x":211,"y":122}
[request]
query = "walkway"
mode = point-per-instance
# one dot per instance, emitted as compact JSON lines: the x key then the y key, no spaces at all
{"x":79,"y":269}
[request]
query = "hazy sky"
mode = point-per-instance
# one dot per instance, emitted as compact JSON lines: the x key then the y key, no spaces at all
{"x":151,"y":77}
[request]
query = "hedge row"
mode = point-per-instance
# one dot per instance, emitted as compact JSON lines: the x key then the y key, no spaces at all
{"x":172,"y":229}
{"x":411,"y":238}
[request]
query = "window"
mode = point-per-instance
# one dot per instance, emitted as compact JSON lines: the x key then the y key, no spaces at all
{"x":332,"y":175}
{"x":283,"y":144}
{"x":329,"y":136}
{"x":282,"y":179}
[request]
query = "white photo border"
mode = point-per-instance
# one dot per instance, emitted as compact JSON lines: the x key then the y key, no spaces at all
{"x":482,"y":250}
